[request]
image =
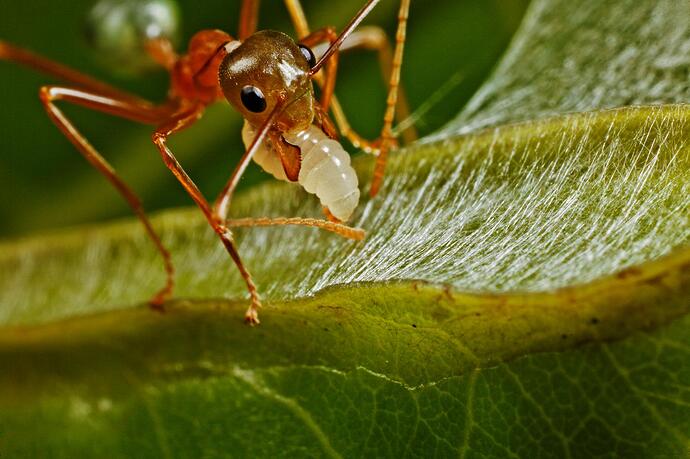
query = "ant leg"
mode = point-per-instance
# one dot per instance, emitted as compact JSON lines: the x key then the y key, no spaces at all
{"x":161,"y":50}
{"x":369,"y":38}
{"x":143,"y":113}
{"x":62,"y":72}
{"x":345,"y":231}
{"x":299,"y":19}
{"x":387,"y":138}
{"x":249,"y":18}
{"x":326,"y":34}
{"x":218,"y":217}
{"x":221,"y":206}
{"x":175,"y":124}
{"x":372,"y":38}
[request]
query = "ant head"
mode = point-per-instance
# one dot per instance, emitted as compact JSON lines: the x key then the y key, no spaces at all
{"x":268,"y":69}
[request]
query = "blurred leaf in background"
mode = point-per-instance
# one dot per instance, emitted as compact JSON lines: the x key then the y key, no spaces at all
{"x":45,"y":182}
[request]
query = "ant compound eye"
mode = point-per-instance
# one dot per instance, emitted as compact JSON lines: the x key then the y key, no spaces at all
{"x":253,"y":99}
{"x":308,"y":55}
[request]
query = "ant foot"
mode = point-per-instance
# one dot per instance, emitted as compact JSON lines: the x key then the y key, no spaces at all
{"x":331,"y":218}
{"x":156,"y":305}
{"x":252,"y":316}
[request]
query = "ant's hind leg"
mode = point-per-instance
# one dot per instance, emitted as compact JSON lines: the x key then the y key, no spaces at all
{"x":143,"y":113}
{"x":387,"y":138}
{"x":26,"y":58}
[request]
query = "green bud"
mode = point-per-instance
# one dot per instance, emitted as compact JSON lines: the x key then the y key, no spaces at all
{"x":119,"y":29}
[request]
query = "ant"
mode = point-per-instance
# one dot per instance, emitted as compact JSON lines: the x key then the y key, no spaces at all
{"x":267,"y":77}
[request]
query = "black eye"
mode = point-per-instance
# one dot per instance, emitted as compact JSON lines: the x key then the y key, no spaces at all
{"x":253,"y":99}
{"x":308,"y":55}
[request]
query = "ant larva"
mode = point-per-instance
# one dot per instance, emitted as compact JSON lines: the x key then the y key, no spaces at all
{"x":267,"y":77}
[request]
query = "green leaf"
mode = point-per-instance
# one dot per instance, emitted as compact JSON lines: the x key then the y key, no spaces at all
{"x":586,"y":55}
{"x":373,"y":366}
{"x":523,"y":291}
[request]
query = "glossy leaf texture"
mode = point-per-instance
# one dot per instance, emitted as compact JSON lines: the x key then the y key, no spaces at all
{"x":523,"y":291}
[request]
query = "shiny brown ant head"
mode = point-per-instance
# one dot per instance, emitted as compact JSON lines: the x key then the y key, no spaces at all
{"x":265,"y":70}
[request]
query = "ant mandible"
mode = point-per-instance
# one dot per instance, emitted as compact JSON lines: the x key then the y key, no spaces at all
{"x":267,"y":77}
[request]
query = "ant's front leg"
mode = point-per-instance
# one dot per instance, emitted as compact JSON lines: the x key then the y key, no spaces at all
{"x":348,"y":232}
{"x":175,"y":124}
{"x":372,"y":38}
{"x":221,"y":208}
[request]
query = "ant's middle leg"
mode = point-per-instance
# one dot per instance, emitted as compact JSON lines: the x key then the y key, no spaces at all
{"x":372,"y":38}
{"x":139,"y":112}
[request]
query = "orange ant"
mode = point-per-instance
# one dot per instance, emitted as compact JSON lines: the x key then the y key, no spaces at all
{"x":267,"y":77}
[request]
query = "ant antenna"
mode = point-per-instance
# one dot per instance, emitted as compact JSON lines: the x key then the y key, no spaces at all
{"x":359,"y":17}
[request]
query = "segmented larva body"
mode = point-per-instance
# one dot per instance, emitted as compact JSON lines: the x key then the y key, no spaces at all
{"x":325,"y":170}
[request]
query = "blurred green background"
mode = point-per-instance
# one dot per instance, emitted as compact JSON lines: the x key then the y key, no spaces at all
{"x":46,"y":184}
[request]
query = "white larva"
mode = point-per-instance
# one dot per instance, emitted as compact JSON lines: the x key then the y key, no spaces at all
{"x":325,"y":170}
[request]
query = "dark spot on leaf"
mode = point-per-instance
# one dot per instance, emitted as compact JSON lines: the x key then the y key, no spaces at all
{"x":564,"y":336}
{"x":157,"y":308}
{"x":594,"y":320}
{"x":440,"y":313}
{"x":414,"y":325}
{"x":630,"y":272}
{"x":656,"y":280}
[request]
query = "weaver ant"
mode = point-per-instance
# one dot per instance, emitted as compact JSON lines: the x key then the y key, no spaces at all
{"x":267,"y":77}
